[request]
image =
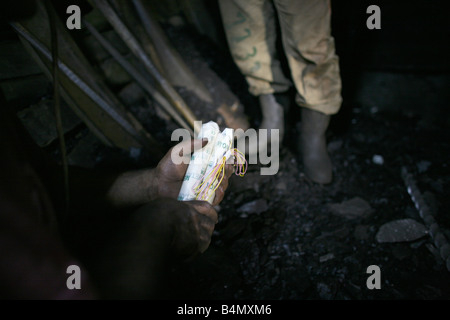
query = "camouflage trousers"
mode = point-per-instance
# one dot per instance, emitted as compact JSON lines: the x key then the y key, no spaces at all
{"x":251,"y":30}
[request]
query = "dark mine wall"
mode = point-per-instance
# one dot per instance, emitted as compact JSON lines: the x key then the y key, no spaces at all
{"x":400,"y":68}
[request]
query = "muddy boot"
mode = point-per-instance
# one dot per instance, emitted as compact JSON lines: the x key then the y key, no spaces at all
{"x":273,"y":115}
{"x":313,"y":146}
{"x":273,"y":118}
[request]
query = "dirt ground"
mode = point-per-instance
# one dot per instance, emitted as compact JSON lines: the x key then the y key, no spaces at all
{"x":278,"y":239}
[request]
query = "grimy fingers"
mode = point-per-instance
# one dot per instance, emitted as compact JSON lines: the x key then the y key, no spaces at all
{"x":205,"y":228}
{"x":181,"y":153}
{"x":187,"y":147}
{"x":229,"y":169}
{"x":205,"y":209}
{"x":220,"y":193}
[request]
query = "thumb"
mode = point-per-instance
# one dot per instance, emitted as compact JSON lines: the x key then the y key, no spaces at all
{"x":197,"y":144}
{"x":192,"y":146}
{"x":189,"y":146}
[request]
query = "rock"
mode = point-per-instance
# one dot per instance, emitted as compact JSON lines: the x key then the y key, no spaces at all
{"x":378,"y":159}
{"x":39,"y":120}
{"x":84,"y":153}
{"x":374,"y":109}
{"x":131,"y":94}
{"x":114,"y":72}
{"x":326,"y":257}
{"x":401,"y":230}
{"x":350,"y":209}
{"x":256,"y":206}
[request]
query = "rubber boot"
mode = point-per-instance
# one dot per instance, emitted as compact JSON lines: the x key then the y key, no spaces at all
{"x":273,"y":115}
{"x":313,"y":146}
{"x":272,"y":118}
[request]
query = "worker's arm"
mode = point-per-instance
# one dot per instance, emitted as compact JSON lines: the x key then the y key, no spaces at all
{"x":97,"y":190}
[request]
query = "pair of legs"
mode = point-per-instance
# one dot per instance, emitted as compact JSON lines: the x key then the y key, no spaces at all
{"x":305,"y":25}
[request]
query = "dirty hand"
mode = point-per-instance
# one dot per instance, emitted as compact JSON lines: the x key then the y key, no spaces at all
{"x":169,"y":175}
{"x":194,"y":230}
{"x":182,"y":229}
